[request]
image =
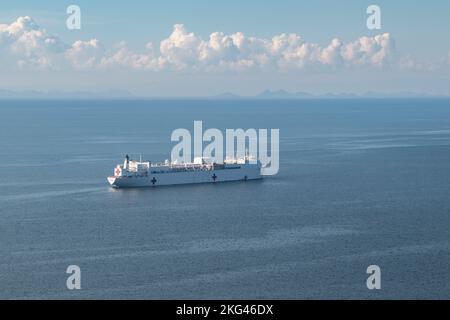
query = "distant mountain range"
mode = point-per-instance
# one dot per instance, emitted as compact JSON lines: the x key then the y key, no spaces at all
{"x":265,"y":95}
{"x":282,"y":94}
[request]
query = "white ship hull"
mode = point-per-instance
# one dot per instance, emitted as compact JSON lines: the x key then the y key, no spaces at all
{"x":242,"y":172}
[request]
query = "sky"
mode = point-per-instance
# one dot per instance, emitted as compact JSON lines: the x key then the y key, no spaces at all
{"x":197,"y":48}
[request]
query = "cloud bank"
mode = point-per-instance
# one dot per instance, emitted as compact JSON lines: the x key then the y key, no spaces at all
{"x":25,"y":45}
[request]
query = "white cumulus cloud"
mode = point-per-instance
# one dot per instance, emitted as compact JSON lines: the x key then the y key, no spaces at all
{"x":123,"y":57}
{"x":378,"y":50}
{"x":28,"y":45}
{"x":85,"y":54}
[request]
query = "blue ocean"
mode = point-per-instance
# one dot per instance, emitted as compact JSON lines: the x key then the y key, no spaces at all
{"x":362,"y":182}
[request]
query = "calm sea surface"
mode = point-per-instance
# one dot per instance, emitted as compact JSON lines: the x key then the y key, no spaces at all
{"x":362,"y":182}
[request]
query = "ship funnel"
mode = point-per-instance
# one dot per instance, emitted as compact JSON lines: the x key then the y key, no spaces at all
{"x":126,"y":162}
